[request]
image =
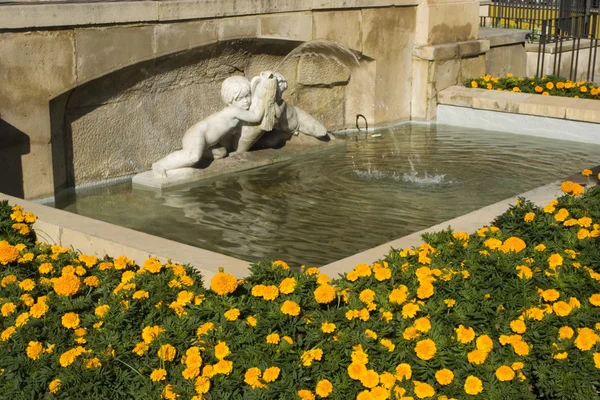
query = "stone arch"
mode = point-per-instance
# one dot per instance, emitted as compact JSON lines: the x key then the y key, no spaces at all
{"x":115,"y":124}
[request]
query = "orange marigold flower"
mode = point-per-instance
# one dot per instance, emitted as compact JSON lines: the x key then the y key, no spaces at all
{"x":464,"y":335}
{"x":324,"y":388}
{"x":287,"y":286}
{"x":444,"y":376}
{"x":34,"y":349}
{"x":167,"y":352}
{"x":473,"y":385}
{"x":324,"y":294}
{"x":66,"y":285}
{"x":158,"y":375}
{"x":223,"y":283}
{"x":423,"y":390}
{"x":271,"y":374}
{"x":8,"y":253}
{"x":505,"y":373}
{"x":425,"y":349}
{"x":290,"y":308}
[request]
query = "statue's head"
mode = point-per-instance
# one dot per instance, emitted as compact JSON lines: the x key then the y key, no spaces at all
{"x":235,"y":90}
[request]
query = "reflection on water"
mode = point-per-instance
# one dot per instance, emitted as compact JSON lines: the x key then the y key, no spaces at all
{"x":326,"y":207}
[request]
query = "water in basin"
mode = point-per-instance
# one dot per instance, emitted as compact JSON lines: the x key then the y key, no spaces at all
{"x":319,"y":209}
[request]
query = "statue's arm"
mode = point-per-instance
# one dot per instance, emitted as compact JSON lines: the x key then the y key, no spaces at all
{"x":251,"y":116}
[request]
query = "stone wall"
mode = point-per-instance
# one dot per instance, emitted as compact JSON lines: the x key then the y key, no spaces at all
{"x":125,"y":120}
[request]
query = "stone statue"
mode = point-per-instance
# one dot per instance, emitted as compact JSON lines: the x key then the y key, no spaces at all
{"x":253,"y":108}
{"x":235,"y":93}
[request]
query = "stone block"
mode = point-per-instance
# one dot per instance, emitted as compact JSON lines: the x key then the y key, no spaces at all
{"x":473,"y":67}
{"x":457,"y":96}
{"x":238,"y":28}
{"x":293,"y":26}
{"x":325,"y":104}
{"x":502,"y":60}
{"x":445,"y":74}
{"x":388,"y":37}
{"x":586,"y":110}
{"x":437,"y":52}
{"x":171,"y":38}
{"x":103,"y":50}
{"x":421,"y":87}
{"x":446,"y":23}
{"x":343,"y":27}
{"x":503,"y":37}
{"x":543,"y":106}
{"x":499,"y":101}
{"x":315,"y":71}
{"x":360,"y":94}
{"x":471,"y":48}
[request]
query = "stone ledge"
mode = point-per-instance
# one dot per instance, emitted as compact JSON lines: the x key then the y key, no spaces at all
{"x":99,"y":238}
{"x":503,"y":37}
{"x":44,"y":15}
{"x":583,"y":110}
{"x":449,"y":51}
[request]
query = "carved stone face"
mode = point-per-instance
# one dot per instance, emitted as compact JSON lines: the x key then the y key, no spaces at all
{"x":243,"y":101}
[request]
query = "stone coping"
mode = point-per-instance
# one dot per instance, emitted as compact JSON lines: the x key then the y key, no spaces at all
{"x":46,"y":15}
{"x":503,"y":37}
{"x":448,"y":51}
{"x":583,"y":110}
{"x":553,"y":48}
{"x":99,"y":238}
{"x":466,"y":223}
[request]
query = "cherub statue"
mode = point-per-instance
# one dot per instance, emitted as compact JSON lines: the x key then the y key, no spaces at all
{"x":236,"y":92}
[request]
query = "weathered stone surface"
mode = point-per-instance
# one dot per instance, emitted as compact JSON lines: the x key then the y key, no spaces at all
{"x":360,"y":94}
{"x":292,"y":26}
{"x":437,"y":52}
{"x":321,"y":71}
{"x":503,"y":37}
{"x":584,"y":110}
{"x":542,"y":106}
{"x":325,"y":104}
{"x":103,"y":50}
{"x":445,"y":23}
{"x":171,"y":38}
{"x":473,"y":67}
{"x":388,"y":37}
{"x":238,"y":28}
{"x":343,"y":27}
{"x":457,"y":96}
{"x":34,"y":68}
{"x":446,"y":74}
{"x":502,"y":60}
{"x":421,"y":88}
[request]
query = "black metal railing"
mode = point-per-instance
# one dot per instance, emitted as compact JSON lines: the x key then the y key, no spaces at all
{"x":569,"y":47}
{"x":529,"y":14}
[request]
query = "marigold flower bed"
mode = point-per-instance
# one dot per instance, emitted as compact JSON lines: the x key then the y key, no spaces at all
{"x":509,"y":312}
{"x":546,"y":86}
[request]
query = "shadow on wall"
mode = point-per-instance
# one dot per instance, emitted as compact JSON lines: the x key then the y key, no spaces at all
{"x":13,"y":145}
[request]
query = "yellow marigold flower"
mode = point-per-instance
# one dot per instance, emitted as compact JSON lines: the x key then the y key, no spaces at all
{"x":273,"y":338}
{"x":105,"y":265}
{"x":7,"y":333}
{"x":140,"y":294}
{"x":450,"y":302}
{"x":555,"y":260}
{"x":356,"y":370}
{"x":22,"y":319}
{"x":324,"y":388}
{"x":39,"y":309}
{"x":281,"y":264}
{"x":223,"y":283}
{"x":34,"y":349}
{"x":232,"y":314}
{"x":8,"y":253}
{"x":305,"y":394}
{"x":205,"y":328}
{"x":583,"y":234}
{"x":586,"y":339}
{"x":422,"y":324}
{"x":68,"y":357}
{"x":93,"y":363}
{"x":403,"y":371}
{"x":444,"y":376}
{"x":54,"y":385}
{"x":518,"y":326}
{"x":251,"y":320}
{"x":66,"y":285}
{"x":387,"y":380}
{"x":166,"y":352}
{"x":586,"y":172}
{"x":521,"y":348}
{"x":323,"y":279}
{"x":91,"y":281}
{"x":370,"y":379}
{"x":45,"y":268}
{"x":477,"y":356}
{"x":152,"y":265}
{"x":595,"y":299}
{"x":387,"y":316}
{"x":202,"y":384}
{"x":140,"y":348}
{"x":571,"y":188}
{"x":524,"y":272}
{"x":363,"y":270}
{"x":505,"y":373}
{"x":149,"y":333}
{"x":565,"y":332}
{"x":485,"y":343}
{"x":221,"y":350}
{"x":289,"y":339}
{"x":561,"y":215}
{"x":328,"y":327}
{"x":382,"y":273}
{"x":168,"y":393}
{"x":597,"y":360}
{"x":324,"y":294}
{"x":409,"y":310}
{"x":513,"y":244}
{"x":540,"y":247}
{"x":367,"y":296}
{"x":423,"y":390}
{"x":585,"y":222}
{"x":561,"y":308}
{"x":271,"y":374}
{"x":425,"y":291}
{"x":290,"y":308}
{"x":7,"y":309}
{"x":223,"y":367}
{"x":101,"y":310}
{"x":371,"y":334}
{"x":158,"y":375}
{"x":70,"y":320}
{"x":27,"y":284}
{"x":410,"y":333}
{"x":425,"y":349}
{"x":270,"y":292}
{"x":473,"y":385}
{"x":560,"y":356}
{"x":492,"y":243}
{"x":287,"y":286}
{"x":529,"y":217}
{"x":474,"y":84}
{"x":464,"y":335}
{"x":398,"y":295}
{"x":388,"y":344}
